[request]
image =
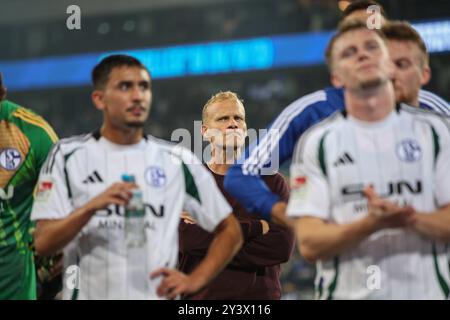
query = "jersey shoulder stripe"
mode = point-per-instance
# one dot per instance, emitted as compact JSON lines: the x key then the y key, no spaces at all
{"x":81,"y":138}
{"x":315,"y":132}
{"x":428,"y":116}
{"x":435,"y":98}
{"x":261,"y":153}
{"x":176,"y":150}
{"x":65,"y":146}
{"x":298,"y":106}
{"x":426,"y":103}
{"x":32,"y":118}
{"x":434,"y":102}
{"x":158,"y":141}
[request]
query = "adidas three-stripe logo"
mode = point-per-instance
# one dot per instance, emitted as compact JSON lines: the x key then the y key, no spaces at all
{"x":94,"y":177}
{"x":343,"y":160}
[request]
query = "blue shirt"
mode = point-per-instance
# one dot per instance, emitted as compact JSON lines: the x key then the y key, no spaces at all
{"x":243,"y":180}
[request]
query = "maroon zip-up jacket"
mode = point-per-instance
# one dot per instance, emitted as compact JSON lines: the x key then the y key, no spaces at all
{"x":254,"y":273}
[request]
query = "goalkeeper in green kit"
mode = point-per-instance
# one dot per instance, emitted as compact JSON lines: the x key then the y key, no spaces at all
{"x":25,"y":141}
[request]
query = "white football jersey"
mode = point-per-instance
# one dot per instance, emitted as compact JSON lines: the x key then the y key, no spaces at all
{"x":171,"y":179}
{"x":406,"y":158}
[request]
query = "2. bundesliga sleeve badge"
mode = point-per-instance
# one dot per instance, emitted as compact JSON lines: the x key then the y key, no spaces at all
{"x":43,"y":189}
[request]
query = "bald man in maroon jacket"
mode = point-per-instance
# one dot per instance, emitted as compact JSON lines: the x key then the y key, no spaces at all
{"x":254,"y":273}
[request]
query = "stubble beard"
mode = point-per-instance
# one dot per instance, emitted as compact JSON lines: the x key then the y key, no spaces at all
{"x":135,"y":124}
{"x":371,"y":83}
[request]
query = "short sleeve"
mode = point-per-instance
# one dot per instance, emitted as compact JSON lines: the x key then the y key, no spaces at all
{"x":309,"y":195}
{"x":51,"y":196}
{"x":203,"y":198}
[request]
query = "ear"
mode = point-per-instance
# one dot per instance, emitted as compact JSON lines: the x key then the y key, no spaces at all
{"x":335,"y":81}
{"x":97,"y":99}
{"x":204,"y":131}
{"x":426,"y":75}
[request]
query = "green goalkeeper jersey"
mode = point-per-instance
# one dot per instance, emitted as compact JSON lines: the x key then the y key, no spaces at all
{"x":25,"y":141}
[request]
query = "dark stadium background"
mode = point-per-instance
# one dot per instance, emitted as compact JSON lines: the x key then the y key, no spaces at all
{"x":37,"y":28}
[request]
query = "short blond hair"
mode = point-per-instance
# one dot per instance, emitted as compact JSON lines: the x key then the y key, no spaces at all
{"x":403,"y":31}
{"x":218,"y":97}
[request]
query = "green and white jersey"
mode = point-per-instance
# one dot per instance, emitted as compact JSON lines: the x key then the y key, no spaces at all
{"x":25,"y":140}
{"x":406,"y":157}
{"x":171,"y":179}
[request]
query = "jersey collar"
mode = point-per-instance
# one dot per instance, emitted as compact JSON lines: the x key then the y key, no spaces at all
{"x":374,"y":124}
{"x":398,"y":107}
{"x":97,"y":135}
